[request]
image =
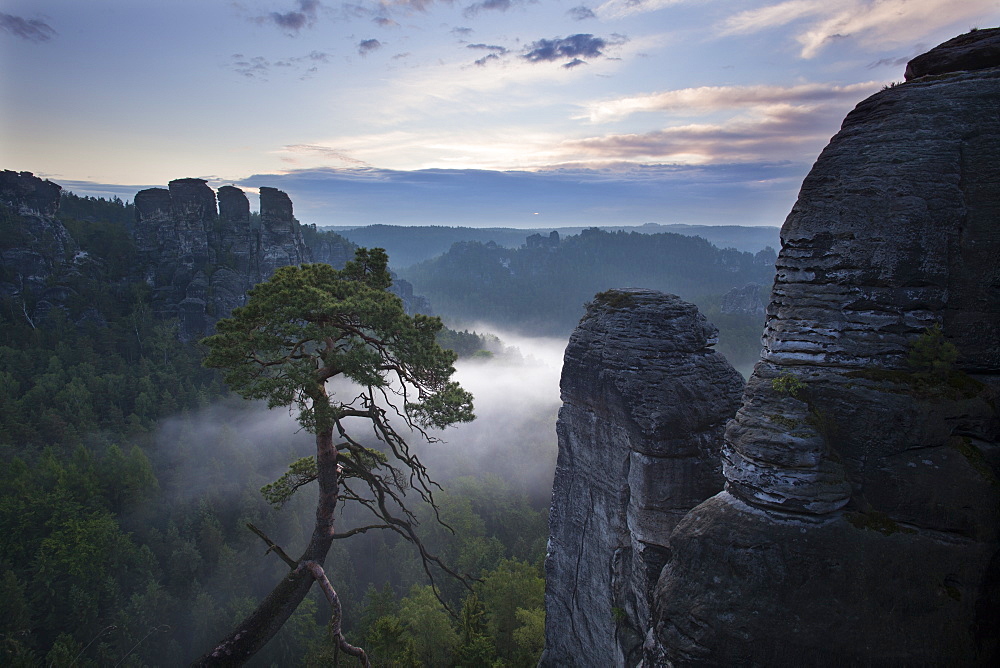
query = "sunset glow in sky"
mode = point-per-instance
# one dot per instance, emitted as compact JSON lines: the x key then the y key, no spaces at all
{"x":625,"y":111}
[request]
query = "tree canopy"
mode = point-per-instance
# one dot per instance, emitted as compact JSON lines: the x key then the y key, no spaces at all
{"x":300,"y":330}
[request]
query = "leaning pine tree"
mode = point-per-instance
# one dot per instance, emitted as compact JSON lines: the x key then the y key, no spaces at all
{"x":302,"y":328}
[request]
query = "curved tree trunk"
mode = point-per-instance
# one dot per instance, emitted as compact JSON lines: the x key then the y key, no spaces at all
{"x":260,"y":625}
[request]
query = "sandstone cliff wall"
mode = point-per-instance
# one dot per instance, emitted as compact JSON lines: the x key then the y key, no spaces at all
{"x":645,"y":402}
{"x":859,"y":520}
{"x":202,"y":258}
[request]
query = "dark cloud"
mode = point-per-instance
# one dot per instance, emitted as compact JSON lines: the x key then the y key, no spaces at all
{"x":574,"y":46}
{"x":581,"y":13}
{"x":295,"y":20}
{"x":486,"y":5}
{"x":384,"y":22}
{"x":573,"y":63}
{"x":461,"y":32}
{"x":32,"y":30}
{"x":481,"y":62}
{"x":752,"y":193}
{"x":368,"y":45}
{"x":890,"y":62}
{"x":488,"y":47}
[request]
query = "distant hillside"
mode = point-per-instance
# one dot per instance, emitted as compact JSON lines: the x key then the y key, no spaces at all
{"x":409,"y":245}
{"x":541,"y":288}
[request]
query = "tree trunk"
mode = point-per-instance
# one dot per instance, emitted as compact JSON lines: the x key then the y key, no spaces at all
{"x":260,"y":625}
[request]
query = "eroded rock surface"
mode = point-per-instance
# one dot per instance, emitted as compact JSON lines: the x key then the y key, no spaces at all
{"x":645,"y":400}
{"x":859,"y":525}
{"x":201,"y":258}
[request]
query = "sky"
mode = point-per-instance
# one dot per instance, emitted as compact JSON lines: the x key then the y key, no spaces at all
{"x":512,"y":113}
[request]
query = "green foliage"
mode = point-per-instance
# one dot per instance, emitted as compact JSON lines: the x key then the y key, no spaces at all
{"x":788,"y":384}
{"x":310,"y":323}
{"x":614,"y":299}
{"x":931,"y":356}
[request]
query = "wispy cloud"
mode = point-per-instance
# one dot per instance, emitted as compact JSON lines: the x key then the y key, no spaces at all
{"x":692,"y":101}
{"x":871,"y":23}
{"x":259,"y":67}
{"x":295,"y":20}
{"x":772,"y":132}
{"x":581,"y":13}
{"x":475,"y":9}
{"x":33,"y":30}
{"x":622,"y":8}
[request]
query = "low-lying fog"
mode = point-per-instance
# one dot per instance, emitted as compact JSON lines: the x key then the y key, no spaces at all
{"x":235,"y":446}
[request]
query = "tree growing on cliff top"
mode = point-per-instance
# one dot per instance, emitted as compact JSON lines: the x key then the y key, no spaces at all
{"x":299,"y":330}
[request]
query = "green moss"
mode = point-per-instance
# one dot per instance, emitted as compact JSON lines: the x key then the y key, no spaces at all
{"x":786,"y":422}
{"x":874,"y":520}
{"x":619,"y":615}
{"x":953,"y":592}
{"x":614,"y":299}
{"x":975,"y":458}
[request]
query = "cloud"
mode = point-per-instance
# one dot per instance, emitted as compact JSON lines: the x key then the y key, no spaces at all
{"x":581,"y":13}
{"x":496,"y":48}
{"x":768,"y":132}
{"x":621,"y":193}
{"x":33,"y":30}
{"x":574,"y":63}
{"x":871,"y":23}
{"x":293,"y":21}
{"x":574,"y":46}
{"x":771,"y":16}
{"x":258,"y":67}
{"x":691,"y":101}
{"x":255,"y":67}
{"x":461,"y":31}
{"x":328,"y":153}
{"x":473,"y":10}
{"x":368,"y":45}
{"x":622,"y":8}
{"x":384,"y":22}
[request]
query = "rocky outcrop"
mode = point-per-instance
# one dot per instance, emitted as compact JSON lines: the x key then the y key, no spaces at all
{"x":859,"y":524}
{"x":645,"y":400}
{"x":975,"y":50}
{"x":202,"y":258}
{"x":745,"y":301}
{"x":35,"y":248}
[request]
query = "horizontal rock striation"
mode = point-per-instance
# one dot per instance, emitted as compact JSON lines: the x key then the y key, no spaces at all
{"x":645,"y":400}
{"x":859,"y":524}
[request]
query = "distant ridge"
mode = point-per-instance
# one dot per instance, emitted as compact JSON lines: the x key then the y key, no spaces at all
{"x":408,"y":245}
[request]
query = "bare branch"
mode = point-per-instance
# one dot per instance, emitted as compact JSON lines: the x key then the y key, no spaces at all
{"x":273,"y":547}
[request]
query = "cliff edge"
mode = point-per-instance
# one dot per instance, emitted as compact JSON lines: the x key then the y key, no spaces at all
{"x":859,"y":524}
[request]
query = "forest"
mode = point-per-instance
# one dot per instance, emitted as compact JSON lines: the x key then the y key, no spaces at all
{"x":130,"y":474}
{"x":541,"y":287}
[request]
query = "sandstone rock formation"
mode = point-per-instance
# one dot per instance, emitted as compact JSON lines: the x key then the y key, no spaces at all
{"x":645,"y":402}
{"x":859,"y":525}
{"x":35,"y":248}
{"x":746,"y":301}
{"x":201,"y":259}
{"x":860,"y":520}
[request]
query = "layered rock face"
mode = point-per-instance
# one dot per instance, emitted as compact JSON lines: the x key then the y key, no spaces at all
{"x":201,"y":259}
{"x":645,"y":399}
{"x":34,"y":245}
{"x":859,"y":525}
